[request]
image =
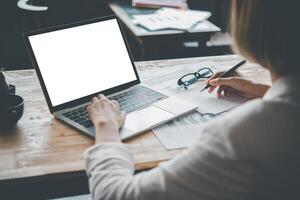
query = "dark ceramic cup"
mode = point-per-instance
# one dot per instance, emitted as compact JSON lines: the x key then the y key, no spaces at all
{"x":11,"y":110}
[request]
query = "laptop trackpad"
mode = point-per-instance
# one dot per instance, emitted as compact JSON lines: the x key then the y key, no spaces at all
{"x":146,"y":118}
{"x":175,"y":105}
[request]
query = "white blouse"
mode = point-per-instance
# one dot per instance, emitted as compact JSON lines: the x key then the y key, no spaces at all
{"x":252,"y":152}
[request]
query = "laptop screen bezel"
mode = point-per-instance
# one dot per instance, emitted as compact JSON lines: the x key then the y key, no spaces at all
{"x":87,"y":98}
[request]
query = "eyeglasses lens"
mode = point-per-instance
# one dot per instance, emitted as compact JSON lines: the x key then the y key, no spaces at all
{"x":205,"y":73}
{"x":189,"y":79}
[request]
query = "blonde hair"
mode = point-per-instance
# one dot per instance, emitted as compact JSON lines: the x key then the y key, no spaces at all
{"x":266,"y":32}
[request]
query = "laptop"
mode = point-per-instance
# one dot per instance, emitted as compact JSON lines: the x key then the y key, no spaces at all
{"x":78,"y":61}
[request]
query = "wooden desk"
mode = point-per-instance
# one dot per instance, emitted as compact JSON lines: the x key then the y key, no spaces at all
{"x":42,"y":148}
{"x":151,"y":42}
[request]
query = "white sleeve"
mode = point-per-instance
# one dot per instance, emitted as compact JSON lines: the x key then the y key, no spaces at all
{"x":110,"y":169}
{"x":211,"y":169}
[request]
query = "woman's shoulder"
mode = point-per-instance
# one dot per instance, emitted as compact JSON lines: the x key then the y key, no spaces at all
{"x":261,"y":115}
{"x":257,"y":126}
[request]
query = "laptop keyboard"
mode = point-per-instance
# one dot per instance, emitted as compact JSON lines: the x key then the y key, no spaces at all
{"x":80,"y":116}
{"x":136,"y":99}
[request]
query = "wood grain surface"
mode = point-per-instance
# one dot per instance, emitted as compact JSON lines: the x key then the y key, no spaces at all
{"x":40,"y":145}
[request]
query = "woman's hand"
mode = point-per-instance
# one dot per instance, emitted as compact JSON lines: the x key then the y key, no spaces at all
{"x":236,"y":85}
{"x":107,"y":119}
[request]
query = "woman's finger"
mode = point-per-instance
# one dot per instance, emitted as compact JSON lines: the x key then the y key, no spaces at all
{"x":116,"y":104}
{"x":101,"y":97}
{"x":220,"y":90}
{"x":88,"y":108}
{"x":217,"y":82}
{"x":123,"y":118}
{"x":94,"y":100}
{"x":225,"y":82}
{"x":211,"y":89}
{"x":104,"y":100}
{"x":213,"y":79}
{"x":216,"y":75}
{"x":227,"y":93}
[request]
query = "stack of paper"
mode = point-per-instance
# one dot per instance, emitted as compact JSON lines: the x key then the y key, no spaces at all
{"x":170,"y":18}
{"x":159,"y":3}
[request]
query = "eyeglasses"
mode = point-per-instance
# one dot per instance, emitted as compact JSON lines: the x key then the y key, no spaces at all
{"x":189,"y":79}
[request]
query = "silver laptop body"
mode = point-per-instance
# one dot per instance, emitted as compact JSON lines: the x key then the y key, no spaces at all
{"x":76,"y":62}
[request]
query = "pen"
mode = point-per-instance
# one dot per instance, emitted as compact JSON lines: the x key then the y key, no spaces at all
{"x":226,"y":74}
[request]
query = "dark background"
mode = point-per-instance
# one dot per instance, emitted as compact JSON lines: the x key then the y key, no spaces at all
{"x":15,"y":21}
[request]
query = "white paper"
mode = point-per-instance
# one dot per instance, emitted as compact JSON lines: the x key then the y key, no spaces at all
{"x":169,"y":18}
{"x":167,"y":83}
{"x":182,"y":132}
{"x":206,"y":102}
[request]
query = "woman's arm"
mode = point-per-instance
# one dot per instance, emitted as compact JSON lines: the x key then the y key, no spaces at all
{"x":209,"y":170}
{"x":110,"y":170}
{"x":109,"y":163}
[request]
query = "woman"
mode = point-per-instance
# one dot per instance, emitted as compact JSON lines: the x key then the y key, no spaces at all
{"x":251,"y":153}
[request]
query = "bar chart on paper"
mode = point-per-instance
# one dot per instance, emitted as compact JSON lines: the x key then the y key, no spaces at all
{"x":182,"y":132}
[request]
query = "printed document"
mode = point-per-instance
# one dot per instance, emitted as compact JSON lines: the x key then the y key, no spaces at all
{"x":170,"y":18}
{"x":184,"y":131}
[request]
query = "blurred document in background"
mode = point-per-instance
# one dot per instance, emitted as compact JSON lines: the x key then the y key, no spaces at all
{"x":159,"y":3}
{"x":170,"y":18}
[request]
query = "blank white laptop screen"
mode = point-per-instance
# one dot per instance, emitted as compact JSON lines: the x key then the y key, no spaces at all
{"x":80,"y":61}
